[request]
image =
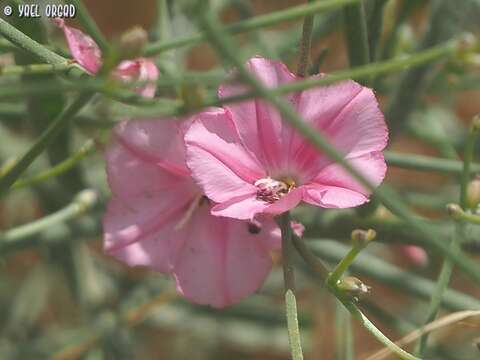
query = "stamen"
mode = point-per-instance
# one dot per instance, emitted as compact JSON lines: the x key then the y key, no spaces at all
{"x":271,"y":190}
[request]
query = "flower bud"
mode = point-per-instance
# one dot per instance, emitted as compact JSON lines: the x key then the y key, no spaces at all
{"x":132,"y":42}
{"x":473,"y":193}
{"x":353,"y":287}
{"x":361,"y":238}
{"x":454,"y":211}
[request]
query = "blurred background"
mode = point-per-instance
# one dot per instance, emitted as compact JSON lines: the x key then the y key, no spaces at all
{"x":62,"y":298}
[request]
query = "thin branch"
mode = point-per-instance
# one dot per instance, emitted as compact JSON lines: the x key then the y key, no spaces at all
{"x":289,"y":281}
{"x":305,"y":45}
{"x":253,"y":23}
{"x":82,"y":203}
{"x":20,"y":165}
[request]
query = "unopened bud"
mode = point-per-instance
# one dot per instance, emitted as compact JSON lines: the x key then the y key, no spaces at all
{"x":473,"y":193}
{"x":454,"y":211}
{"x":361,"y":238}
{"x":467,"y":44}
{"x":86,"y":199}
{"x":132,"y":42}
{"x":353,"y":287}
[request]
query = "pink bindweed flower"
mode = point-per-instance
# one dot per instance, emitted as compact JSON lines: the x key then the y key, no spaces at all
{"x":86,"y":52}
{"x":251,"y":162}
{"x":159,"y":218}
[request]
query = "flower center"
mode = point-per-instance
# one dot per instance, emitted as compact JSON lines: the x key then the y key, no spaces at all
{"x":271,"y":190}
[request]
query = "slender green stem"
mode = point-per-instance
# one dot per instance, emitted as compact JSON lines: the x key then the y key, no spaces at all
{"x":351,"y":307}
{"x":467,"y":161}
{"x":19,"y":166}
{"x":342,"y":266}
{"x":312,"y":261}
{"x":36,"y":69}
{"x":82,"y":203}
{"x":26,"y":43}
{"x":343,"y":333}
{"x":447,"y":266}
{"x":362,"y":72}
{"x":59,"y":169}
{"x":305,"y":45}
{"x":90,"y":25}
{"x":468,"y":217}
{"x":357,"y":34}
{"x":391,"y":200}
{"x":36,"y":49}
{"x":289,"y":280}
{"x":367,"y":324}
{"x":257,"y":22}
{"x":383,"y":272}
{"x":375,"y":26}
{"x":428,"y":163}
{"x":391,"y":66}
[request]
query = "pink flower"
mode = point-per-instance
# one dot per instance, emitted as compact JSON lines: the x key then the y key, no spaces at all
{"x":159,"y":218}
{"x":87,"y":53}
{"x":250,"y":161}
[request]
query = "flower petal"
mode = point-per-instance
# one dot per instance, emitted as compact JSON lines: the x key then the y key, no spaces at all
{"x":348,"y":115}
{"x":242,"y":207}
{"x":221,"y":262}
{"x":142,"y":237}
{"x":145,"y":196}
{"x":286,"y":203}
{"x":334,"y":187}
{"x":219,"y":163}
{"x":141,"y":70}
{"x":157,"y":141}
{"x":259,"y":124}
{"x":83,"y":48}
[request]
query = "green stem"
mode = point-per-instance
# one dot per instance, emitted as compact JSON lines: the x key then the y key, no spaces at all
{"x":36,"y":49}
{"x":447,"y":266}
{"x":362,"y":72}
{"x":342,"y":266}
{"x":305,"y":45}
{"x":468,"y":217}
{"x":352,"y":308}
{"x":467,"y":161}
{"x":367,"y":324}
{"x":357,"y":35}
{"x":16,"y":170}
{"x":90,"y":25}
{"x":257,"y":22}
{"x":289,"y":280}
{"x":386,"y":273}
{"x":392,"y":201}
{"x":82,"y":203}
{"x":36,"y":69}
{"x":375,"y":27}
{"x":428,"y":163}
{"x":59,"y":169}
{"x":312,"y":261}
{"x":26,"y":43}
